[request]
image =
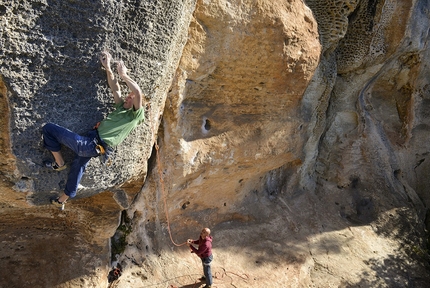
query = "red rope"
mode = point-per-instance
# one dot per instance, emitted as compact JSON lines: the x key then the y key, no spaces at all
{"x":160,"y":173}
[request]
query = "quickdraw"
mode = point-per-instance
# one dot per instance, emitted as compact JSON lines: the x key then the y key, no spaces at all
{"x":100,"y":149}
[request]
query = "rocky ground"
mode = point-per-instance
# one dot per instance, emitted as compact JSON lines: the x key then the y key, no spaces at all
{"x":287,"y":245}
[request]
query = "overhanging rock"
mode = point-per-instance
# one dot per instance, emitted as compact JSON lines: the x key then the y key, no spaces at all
{"x":52,"y":73}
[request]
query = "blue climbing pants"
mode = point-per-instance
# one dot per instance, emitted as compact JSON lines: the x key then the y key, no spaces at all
{"x":83,"y":146}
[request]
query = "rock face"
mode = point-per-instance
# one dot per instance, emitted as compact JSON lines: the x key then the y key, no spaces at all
{"x":50,"y":72}
{"x":296,"y":130}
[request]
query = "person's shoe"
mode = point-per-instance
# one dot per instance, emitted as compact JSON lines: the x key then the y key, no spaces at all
{"x":207,"y":286}
{"x":203,"y":278}
{"x":54,"y":166}
{"x":58,"y":204}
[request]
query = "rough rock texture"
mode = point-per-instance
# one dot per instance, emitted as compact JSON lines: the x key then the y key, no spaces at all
{"x":50,"y":72}
{"x":296,"y":130}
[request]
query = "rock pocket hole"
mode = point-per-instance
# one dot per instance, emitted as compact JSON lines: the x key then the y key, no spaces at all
{"x":185,"y":205}
{"x":207,"y":125}
{"x":2,"y":10}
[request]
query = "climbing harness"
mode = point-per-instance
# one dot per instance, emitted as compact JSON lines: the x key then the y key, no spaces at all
{"x":105,"y":152}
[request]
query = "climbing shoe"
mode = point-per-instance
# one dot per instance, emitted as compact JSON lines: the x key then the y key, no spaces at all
{"x":54,"y":166}
{"x":58,"y":204}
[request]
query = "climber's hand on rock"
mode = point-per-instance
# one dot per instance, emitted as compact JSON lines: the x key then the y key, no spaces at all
{"x":105,"y":59}
{"x":122,"y":70}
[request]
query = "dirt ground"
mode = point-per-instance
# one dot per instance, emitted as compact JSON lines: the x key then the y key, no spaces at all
{"x":44,"y":247}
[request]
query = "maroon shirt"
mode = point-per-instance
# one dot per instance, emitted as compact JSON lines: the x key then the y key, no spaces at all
{"x":205,"y":247}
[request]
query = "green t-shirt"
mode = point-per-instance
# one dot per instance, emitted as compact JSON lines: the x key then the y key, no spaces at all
{"x":118,"y":124}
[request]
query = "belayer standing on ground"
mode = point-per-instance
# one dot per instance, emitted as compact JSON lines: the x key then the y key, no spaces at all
{"x":204,"y":251}
{"x":128,"y":114}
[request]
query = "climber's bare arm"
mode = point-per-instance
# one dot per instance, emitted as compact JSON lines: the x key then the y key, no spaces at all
{"x":132,"y":85}
{"x":105,"y":59}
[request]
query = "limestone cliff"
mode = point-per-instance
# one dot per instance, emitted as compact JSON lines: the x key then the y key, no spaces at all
{"x":50,"y":72}
{"x":296,"y":130}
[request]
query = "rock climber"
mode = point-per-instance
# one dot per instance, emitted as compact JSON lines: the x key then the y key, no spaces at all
{"x":204,"y":251}
{"x":128,"y":114}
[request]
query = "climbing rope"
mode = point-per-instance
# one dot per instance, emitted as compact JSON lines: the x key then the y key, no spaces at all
{"x":160,"y":174}
{"x":219,"y":275}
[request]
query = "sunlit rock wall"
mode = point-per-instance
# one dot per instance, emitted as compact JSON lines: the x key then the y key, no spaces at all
{"x":306,"y":171}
